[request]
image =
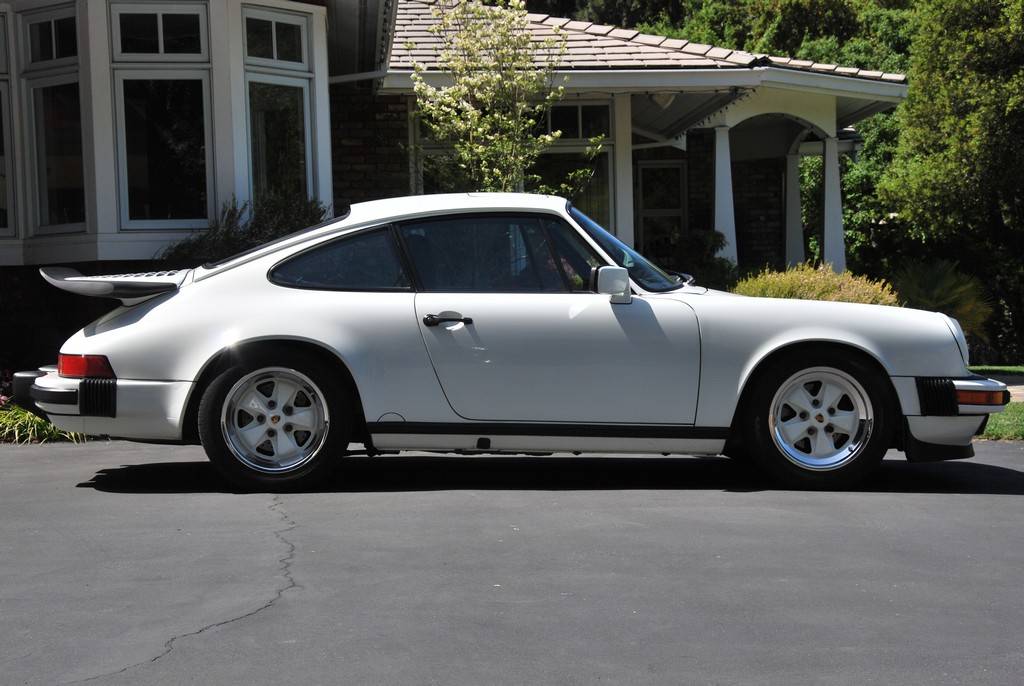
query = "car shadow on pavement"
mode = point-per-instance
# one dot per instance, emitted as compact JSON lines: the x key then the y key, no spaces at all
{"x":439,"y":473}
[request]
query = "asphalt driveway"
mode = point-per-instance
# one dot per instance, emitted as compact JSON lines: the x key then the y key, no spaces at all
{"x":133,"y":564}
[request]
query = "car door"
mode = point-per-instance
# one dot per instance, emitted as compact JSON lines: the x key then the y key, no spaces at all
{"x":513,"y":334}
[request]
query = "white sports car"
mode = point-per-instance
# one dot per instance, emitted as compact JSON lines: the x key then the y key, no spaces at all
{"x":493,"y":323}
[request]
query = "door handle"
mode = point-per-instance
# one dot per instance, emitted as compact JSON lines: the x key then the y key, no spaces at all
{"x":435,"y":319}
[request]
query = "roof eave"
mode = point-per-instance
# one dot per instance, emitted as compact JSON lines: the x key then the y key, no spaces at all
{"x":639,"y":80}
{"x":614,"y":80}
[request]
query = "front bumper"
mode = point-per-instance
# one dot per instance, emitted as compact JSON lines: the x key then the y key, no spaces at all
{"x":121,"y":408}
{"x":941,"y":425}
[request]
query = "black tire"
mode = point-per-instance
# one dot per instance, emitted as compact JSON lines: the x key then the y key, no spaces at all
{"x":276,"y":421}
{"x":819,"y":419}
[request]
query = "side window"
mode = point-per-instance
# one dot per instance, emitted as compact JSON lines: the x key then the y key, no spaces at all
{"x":497,"y":254}
{"x":575,"y":256}
{"x":366,"y":261}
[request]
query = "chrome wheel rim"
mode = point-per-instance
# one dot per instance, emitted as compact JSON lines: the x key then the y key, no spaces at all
{"x":274,"y":420}
{"x":821,"y":419}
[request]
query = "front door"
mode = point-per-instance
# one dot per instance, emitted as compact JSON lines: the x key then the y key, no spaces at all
{"x":572,"y":357}
{"x":514,"y":334}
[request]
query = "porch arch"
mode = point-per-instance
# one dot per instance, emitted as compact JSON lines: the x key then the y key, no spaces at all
{"x":755,"y":135}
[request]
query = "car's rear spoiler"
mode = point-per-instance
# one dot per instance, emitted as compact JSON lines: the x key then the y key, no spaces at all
{"x":123,"y":287}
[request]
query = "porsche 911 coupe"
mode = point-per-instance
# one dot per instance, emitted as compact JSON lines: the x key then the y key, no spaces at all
{"x":499,"y":324}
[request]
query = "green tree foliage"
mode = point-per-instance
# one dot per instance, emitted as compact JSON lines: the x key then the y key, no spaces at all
{"x":938,"y":286}
{"x":499,"y":92}
{"x":958,"y":176}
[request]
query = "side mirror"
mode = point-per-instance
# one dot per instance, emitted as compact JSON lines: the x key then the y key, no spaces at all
{"x":613,"y":281}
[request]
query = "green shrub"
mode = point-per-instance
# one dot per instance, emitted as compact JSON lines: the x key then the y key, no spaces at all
{"x":240,"y":227}
{"x":806,"y":282}
{"x":18,"y":425}
{"x":936,"y":285}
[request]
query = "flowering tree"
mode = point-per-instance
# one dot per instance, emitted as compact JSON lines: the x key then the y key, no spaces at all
{"x":502,"y":86}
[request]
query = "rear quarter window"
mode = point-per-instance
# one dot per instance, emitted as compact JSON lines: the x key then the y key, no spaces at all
{"x":365,"y":261}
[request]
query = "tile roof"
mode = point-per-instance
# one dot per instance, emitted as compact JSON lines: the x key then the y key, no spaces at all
{"x":596,"y":46}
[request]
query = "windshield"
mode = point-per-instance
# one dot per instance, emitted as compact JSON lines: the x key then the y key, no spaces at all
{"x":641,"y":270}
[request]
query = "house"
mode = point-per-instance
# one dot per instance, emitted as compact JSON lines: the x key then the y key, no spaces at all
{"x":696,"y":137}
{"x":126,"y":124}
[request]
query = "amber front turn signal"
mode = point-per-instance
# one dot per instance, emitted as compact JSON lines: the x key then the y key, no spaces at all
{"x":995,"y":398}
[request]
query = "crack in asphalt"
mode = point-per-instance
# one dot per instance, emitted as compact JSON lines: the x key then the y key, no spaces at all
{"x":276,"y":507}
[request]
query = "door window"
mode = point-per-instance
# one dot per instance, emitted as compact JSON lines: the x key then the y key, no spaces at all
{"x":498,"y":254}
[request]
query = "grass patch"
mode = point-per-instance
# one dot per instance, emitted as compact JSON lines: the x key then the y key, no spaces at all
{"x":1010,"y":370}
{"x":1007,"y":425}
{"x":18,"y":425}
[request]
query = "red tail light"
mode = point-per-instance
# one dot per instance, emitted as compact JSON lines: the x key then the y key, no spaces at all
{"x":91,"y":366}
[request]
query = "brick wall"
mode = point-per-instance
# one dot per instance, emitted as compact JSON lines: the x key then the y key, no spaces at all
{"x":759,"y":200}
{"x":700,"y":147}
{"x":369,"y":139}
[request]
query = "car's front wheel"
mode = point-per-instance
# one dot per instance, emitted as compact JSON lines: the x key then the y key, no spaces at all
{"x":273,"y":423}
{"x":819,"y":419}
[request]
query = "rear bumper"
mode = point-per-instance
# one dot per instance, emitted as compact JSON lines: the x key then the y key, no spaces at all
{"x":22,"y":389}
{"x":121,"y":408}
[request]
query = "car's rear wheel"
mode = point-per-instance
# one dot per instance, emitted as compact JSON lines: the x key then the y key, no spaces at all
{"x":819,"y":419}
{"x":274,"y":423}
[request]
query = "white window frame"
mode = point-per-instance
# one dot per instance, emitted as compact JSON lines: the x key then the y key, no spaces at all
{"x":161,"y":10}
{"x":50,"y":15}
{"x":580,"y":145}
{"x":122,"y":75}
{"x":579,"y":105}
{"x":276,"y":17}
{"x":291,"y":81}
{"x":35,"y":196}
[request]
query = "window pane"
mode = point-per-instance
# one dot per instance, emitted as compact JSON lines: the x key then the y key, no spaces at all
{"x":182,"y":34}
{"x":364,"y":262}
{"x":40,"y":38}
{"x":259,"y":38}
{"x":59,"y":155}
{"x":596,"y":121}
{"x":594,"y":199}
{"x":140,"y":34}
{"x":659,"y":241}
{"x":575,"y":256}
{"x":566,"y":120}
{"x":66,"y":37}
{"x":289,"y":42}
{"x":165,"y":142}
{"x":662,"y":188}
{"x":534,"y":267}
{"x":482,"y":254}
{"x":278,"y":129}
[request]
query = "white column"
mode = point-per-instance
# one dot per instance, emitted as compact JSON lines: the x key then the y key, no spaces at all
{"x":834,"y":249}
{"x":725,"y":214}
{"x":794,"y":216}
{"x":622,"y":172}
{"x":320,"y":121}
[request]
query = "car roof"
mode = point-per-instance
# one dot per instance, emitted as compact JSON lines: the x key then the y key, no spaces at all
{"x":396,"y":208}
